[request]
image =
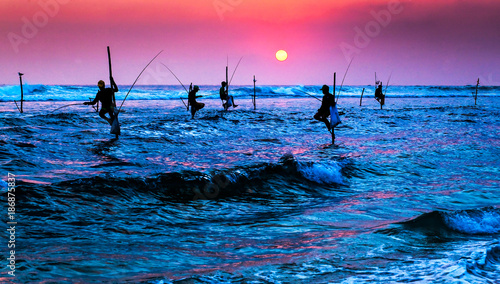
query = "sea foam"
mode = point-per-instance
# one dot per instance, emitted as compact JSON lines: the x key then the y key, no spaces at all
{"x":474,"y":222}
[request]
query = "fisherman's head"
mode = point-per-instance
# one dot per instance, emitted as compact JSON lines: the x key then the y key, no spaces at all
{"x":223,"y":83}
{"x":325,"y":89}
{"x":196,"y":88}
{"x":101,"y":84}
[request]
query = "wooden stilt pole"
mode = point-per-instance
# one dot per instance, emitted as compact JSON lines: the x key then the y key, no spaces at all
{"x":334,"y":87}
{"x":227,"y":86}
{"x":361,"y":99}
{"x":111,"y":76}
{"x":334,"y":82}
{"x":475,"y":98}
{"x":254,"y":94}
{"x":22,"y":95}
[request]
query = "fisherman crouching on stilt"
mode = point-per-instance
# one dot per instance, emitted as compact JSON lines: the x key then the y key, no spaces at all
{"x":105,"y":96}
{"x":229,"y":100}
{"x":195,"y":106}
{"x":378,"y":92}
{"x":324,"y":111}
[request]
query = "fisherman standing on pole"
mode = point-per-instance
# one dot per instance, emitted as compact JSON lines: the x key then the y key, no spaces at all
{"x":105,"y":96}
{"x":324,"y":111}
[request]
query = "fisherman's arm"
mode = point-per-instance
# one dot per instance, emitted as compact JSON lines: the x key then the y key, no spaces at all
{"x":96,"y":99}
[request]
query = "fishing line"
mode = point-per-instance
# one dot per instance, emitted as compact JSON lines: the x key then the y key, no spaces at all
{"x":229,"y":83}
{"x":17,"y":106}
{"x":387,"y":85}
{"x":66,"y":106}
{"x":307,"y":94}
{"x":136,"y":80}
{"x":179,"y":82}
{"x":340,"y":90}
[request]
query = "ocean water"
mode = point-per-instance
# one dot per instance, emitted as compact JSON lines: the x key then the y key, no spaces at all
{"x":407,"y":194}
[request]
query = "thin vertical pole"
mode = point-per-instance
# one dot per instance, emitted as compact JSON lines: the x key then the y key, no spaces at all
{"x":254,"y":94}
{"x":361,"y":99}
{"x":111,"y":75}
{"x":22,"y":94}
{"x":334,"y":82}
{"x":334,"y":91}
{"x":227,"y":80}
{"x":475,"y":98}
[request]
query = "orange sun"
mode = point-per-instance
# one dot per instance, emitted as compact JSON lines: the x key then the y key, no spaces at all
{"x":281,"y":55}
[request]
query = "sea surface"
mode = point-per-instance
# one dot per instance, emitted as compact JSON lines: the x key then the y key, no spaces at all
{"x":407,"y":194}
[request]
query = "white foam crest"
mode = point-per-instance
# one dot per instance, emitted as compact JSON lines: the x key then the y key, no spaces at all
{"x":454,"y":267}
{"x":325,"y":173}
{"x":487,"y":222}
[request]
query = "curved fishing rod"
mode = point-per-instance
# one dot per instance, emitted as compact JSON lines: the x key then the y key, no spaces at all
{"x":340,"y":90}
{"x":17,"y":106}
{"x":229,"y":83}
{"x":307,"y":94}
{"x":387,"y":85}
{"x":66,"y":106}
{"x":136,"y":80}
{"x":175,"y":77}
{"x":179,"y":82}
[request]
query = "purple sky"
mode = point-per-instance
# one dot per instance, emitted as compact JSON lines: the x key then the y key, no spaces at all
{"x":440,"y":42}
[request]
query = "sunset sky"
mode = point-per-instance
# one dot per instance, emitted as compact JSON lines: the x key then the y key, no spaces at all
{"x":422,"y":42}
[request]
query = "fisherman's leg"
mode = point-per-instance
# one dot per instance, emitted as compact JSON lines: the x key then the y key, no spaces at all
{"x":232,"y":99}
{"x":102,"y":114}
{"x":112,"y":114}
{"x":317,"y":116}
{"x":327,"y":123}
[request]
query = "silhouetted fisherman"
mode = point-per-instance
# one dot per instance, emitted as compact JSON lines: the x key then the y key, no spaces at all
{"x":195,"y":106}
{"x":225,"y":97}
{"x":378,"y":93}
{"x":324,"y":111}
{"x":105,"y":96}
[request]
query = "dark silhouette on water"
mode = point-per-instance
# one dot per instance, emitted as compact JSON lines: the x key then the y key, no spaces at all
{"x":254,"y":95}
{"x":324,"y":111}
{"x":22,"y":94}
{"x":226,"y":99}
{"x":195,"y":106}
{"x":378,"y":93}
{"x":475,"y":97}
{"x":105,"y":96}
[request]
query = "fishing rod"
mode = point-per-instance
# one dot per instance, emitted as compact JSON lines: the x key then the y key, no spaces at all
{"x":387,"y":85}
{"x":229,"y":83}
{"x":179,"y":82}
{"x":137,"y":79}
{"x":17,"y":106}
{"x":66,"y":106}
{"x":340,"y":90}
{"x":308,"y":94}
